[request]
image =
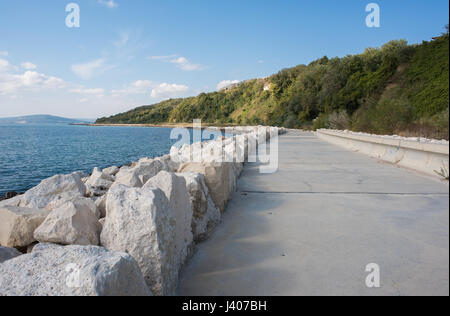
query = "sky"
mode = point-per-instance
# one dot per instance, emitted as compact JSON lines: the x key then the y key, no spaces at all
{"x":127,"y":53}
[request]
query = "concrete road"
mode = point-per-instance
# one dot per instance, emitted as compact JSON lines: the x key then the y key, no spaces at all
{"x":312,"y":227}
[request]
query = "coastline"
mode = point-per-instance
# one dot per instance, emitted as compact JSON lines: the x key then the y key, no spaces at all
{"x":33,"y":177}
{"x":165,"y":125}
{"x":173,"y":202}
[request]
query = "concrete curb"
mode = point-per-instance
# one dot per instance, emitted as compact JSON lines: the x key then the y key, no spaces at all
{"x":426,"y":158}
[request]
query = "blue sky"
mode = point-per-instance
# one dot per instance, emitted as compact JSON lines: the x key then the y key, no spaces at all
{"x":135,"y":52}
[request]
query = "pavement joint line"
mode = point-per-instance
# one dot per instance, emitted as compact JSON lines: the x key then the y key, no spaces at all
{"x":346,"y":193}
{"x":357,"y":212}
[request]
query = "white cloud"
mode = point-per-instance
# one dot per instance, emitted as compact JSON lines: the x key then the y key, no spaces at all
{"x":3,"y":53}
{"x":156,"y":90}
{"x":142,"y":84}
{"x":12,"y":82}
{"x":184,"y":64}
{"x":260,"y":61}
{"x":108,"y":3}
{"x":110,"y":58}
{"x":89,"y":69}
{"x":137,"y":87}
{"x":226,"y":83}
{"x":4,"y":65}
{"x":28,"y":81}
{"x":166,"y":90}
{"x":161,"y":57}
{"x":88,"y":91}
{"x":27,"y":65}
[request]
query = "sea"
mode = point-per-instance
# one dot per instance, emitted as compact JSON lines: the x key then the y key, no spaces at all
{"x":32,"y":153}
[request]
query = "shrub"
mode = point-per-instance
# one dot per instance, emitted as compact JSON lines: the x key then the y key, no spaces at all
{"x":391,"y":116}
{"x":339,"y":120}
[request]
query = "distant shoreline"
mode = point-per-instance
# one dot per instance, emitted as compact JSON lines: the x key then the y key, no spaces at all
{"x":167,"y":125}
{"x":131,"y":125}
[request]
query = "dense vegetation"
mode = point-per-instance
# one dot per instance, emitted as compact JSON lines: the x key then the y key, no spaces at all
{"x":398,"y":88}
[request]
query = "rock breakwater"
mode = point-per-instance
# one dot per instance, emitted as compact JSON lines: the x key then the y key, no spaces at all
{"x":137,"y":224}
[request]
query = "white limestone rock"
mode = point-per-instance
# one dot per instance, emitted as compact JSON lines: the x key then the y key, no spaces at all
{"x":52,"y":270}
{"x":140,"y":223}
{"x":211,"y":151}
{"x":54,"y":192}
{"x":174,"y":187}
{"x":148,"y":168}
{"x":205,"y":215}
{"x":8,"y":253}
{"x":233,"y":178}
{"x":11,"y":202}
{"x":169,"y":164}
{"x":111,"y":171}
{"x":181,"y":155}
{"x":99,"y":183}
{"x":137,"y":175}
{"x":129,"y":177}
{"x":97,"y":176}
{"x":100,"y":203}
{"x":219,"y":177}
{"x":74,"y":223}
{"x":17,"y":225}
{"x":102,"y":223}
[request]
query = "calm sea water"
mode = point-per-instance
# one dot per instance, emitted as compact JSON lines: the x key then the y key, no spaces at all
{"x":31,"y":153}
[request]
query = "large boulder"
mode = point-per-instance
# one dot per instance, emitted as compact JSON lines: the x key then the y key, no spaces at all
{"x":147,"y":168}
{"x":174,"y":187}
{"x":129,"y":177}
{"x":8,"y":253}
{"x":140,"y":223}
{"x":54,"y":192}
{"x":102,"y":223}
{"x":139,"y":173}
{"x":234,"y":152}
{"x":17,"y":225}
{"x":72,"y":271}
{"x":181,"y":155}
{"x":73,"y":223}
{"x":99,"y":178}
{"x":11,"y":202}
{"x":205,"y":214}
{"x":169,"y":164}
{"x":111,"y":171}
{"x":100,"y":203}
{"x":233,"y":177}
{"x":219,"y":177}
{"x":99,"y":182}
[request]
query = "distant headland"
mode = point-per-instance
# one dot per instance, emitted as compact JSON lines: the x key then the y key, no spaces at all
{"x":42,"y":119}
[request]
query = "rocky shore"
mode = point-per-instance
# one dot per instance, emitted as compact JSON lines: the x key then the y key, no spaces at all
{"x":121,"y":231}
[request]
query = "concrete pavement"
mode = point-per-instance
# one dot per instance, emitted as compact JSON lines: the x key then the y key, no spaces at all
{"x":312,"y":227}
